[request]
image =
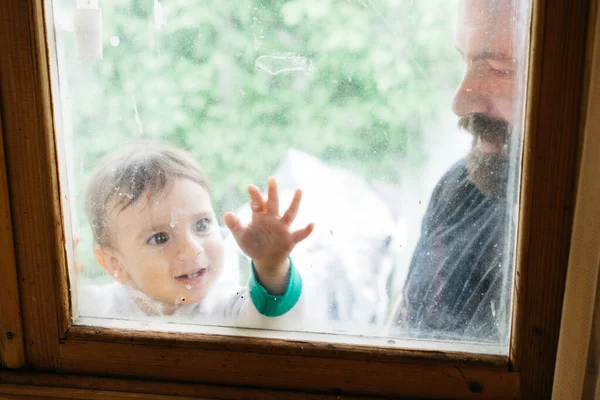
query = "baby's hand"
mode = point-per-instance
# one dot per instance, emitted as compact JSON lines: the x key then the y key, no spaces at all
{"x":267,"y":239}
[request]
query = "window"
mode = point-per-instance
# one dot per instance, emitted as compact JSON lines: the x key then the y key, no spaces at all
{"x":347,"y":101}
{"x":53,"y":343}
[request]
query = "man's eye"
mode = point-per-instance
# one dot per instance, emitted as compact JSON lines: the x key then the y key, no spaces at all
{"x":202,"y":225}
{"x":158,"y":238}
{"x":503,"y":73}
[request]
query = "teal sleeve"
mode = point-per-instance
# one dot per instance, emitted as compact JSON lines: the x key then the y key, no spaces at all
{"x":274,"y":306}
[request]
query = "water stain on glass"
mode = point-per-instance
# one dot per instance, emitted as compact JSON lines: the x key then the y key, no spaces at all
{"x":284,"y":63}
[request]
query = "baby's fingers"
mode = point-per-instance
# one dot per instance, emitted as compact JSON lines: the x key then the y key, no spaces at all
{"x":257,"y":203}
{"x":233,"y":223}
{"x":273,"y":197}
{"x":292,"y":211}
{"x":302,"y":234}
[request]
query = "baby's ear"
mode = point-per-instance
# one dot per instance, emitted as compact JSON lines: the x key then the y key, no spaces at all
{"x":110,"y":262}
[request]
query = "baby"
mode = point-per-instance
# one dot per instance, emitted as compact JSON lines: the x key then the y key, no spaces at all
{"x":157,"y":234}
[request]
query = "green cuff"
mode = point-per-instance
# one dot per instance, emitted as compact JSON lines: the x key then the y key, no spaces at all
{"x":274,"y":306}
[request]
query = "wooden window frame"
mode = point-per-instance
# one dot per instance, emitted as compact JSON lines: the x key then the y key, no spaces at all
{"x":35,"y":325}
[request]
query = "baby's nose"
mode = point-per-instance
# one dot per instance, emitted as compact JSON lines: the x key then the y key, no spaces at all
{"x":189,"y":249}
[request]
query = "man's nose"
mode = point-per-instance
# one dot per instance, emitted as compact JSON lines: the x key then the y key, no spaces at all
{"x":189,"y":248}
{"x":470,"y":95}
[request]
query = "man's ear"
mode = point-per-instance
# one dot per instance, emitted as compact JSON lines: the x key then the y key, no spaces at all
{"x":110,"y":262}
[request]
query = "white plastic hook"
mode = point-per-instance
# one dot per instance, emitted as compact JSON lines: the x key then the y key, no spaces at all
{"x":88,"y":30}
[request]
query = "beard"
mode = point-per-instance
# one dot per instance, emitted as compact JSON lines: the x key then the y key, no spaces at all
{"x":488,"y":171}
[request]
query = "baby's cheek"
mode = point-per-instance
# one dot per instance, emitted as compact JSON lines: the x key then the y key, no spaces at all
{"x":156,"y":274}
{"x":217,"y":245}
{"x":217,"y":256}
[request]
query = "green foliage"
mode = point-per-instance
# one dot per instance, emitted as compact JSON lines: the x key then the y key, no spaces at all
{"x":373,"y":71}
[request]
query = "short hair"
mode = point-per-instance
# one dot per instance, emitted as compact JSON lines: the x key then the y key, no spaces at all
{"x":121,"y":177}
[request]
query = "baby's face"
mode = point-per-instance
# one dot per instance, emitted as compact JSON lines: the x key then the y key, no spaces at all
{"x":169,"y":246}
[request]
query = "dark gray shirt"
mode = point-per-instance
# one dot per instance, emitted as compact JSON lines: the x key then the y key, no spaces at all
{"x":456,"y":287}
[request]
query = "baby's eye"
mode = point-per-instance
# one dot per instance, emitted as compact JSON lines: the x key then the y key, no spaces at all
{"x":202,"y":225}
{"x":158,"y":238}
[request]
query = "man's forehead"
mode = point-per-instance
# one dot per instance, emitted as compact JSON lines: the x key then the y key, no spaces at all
{"x":490,"y":15}
{"x":484,"y":28}
{"x":485,"y":11}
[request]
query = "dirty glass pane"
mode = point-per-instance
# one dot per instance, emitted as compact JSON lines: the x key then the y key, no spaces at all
{"x":400,"y":121}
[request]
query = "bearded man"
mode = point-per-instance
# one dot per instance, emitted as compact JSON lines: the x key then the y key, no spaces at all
{"x":457,"y":286}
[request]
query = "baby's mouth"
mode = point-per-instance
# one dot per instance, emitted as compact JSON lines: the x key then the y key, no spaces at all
{"x":192,"y":277}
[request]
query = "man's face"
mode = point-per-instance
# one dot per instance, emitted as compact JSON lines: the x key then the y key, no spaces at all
{"x":484,"y":99}
{"x":167,"y":246}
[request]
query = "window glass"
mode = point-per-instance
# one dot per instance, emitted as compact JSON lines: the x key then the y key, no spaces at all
{"x":400,"y":121}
